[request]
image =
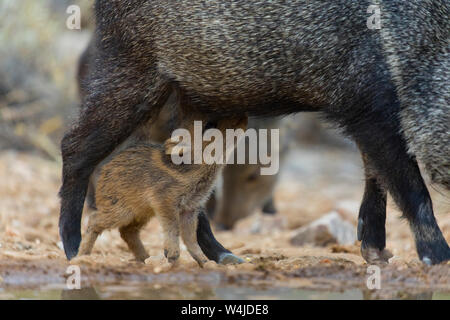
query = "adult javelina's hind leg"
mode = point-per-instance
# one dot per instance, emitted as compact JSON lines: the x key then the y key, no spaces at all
{"x":379,"y":138}
{"x":212,"y":249}
{"x":120,"y":97}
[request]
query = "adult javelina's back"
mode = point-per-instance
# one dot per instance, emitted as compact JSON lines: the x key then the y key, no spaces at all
{"x":253,"y":52}
{"x":271,"y":58}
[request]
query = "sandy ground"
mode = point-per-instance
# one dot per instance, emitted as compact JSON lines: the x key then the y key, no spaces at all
{"x":314,"y":182}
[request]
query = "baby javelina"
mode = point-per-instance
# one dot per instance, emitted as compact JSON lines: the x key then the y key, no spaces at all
{"x":144,"y":180}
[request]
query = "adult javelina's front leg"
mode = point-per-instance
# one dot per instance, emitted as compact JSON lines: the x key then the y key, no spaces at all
{"x":110,"y":116}
{"x":212,"y":249}
{"x":120,"y":96}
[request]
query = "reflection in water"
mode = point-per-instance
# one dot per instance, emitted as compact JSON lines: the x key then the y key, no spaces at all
{"x":139,"y":292}
{"x":88,"y":293}
{"x":158,"y":292}
{"x":399,"y":295}
{"x":195,"y":292}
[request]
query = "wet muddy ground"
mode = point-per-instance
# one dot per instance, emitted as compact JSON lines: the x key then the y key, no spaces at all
{"x":315,"y":181}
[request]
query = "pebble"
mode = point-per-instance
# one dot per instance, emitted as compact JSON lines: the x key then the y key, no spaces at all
{"x":158,"y":263}
{"x":60,"y":245}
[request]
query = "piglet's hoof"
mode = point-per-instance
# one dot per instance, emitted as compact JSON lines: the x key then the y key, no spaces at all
{"x":229,"y":258}
{"x":376,"y":256}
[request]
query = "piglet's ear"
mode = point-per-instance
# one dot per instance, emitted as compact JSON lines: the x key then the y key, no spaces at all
{"x":173,"y":147}
{"x":169,"y":147}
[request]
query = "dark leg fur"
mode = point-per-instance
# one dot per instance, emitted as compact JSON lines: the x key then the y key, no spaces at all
{"x":379,"y":139}
{"x":212,"y":249}
{"x":269,"y":207}
{"x":211,"y":205}
{"x":372,"y":220}
{"x":90,"y":197}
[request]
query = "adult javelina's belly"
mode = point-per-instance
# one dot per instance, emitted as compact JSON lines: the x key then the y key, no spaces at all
{"x":242,"y":54}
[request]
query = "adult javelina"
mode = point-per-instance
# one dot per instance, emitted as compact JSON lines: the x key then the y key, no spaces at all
{"x":387,"y":88}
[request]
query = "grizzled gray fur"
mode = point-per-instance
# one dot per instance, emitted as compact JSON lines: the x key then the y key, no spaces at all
{"x":387,"y":89}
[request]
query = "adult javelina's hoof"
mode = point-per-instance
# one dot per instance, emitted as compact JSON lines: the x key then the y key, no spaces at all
{"x":376,"y":256}
{"x":229,"y":258}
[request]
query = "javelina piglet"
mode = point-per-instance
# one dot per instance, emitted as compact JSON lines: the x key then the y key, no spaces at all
{"x":143,"y":181}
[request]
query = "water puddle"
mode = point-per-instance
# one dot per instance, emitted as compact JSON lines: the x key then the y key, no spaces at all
{"x":158,"y":292}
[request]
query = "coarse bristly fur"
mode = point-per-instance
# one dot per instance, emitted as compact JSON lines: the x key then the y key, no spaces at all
{"x":387,"y":88}
{"x":418,"y":57}
{"x":142,"y":181}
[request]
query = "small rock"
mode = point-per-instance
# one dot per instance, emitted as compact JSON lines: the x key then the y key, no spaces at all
{"x":20,"y":246}
{"x":329,"y":229}
{"x":158,"y":263}
{"x":155,"y":260}
{"x":60,"y":245}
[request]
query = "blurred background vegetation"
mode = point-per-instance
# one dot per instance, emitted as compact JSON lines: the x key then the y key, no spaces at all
{"x":38,"y":92}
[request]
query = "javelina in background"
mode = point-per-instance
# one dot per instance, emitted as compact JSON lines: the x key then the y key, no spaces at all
{"x":243,"y":189}
{"x":142,"y":181}
{"x":387,"y":88}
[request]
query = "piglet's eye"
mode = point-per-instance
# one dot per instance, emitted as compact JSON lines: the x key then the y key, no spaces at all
{"x":211,"y":125}
{"x":253,"y":177}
